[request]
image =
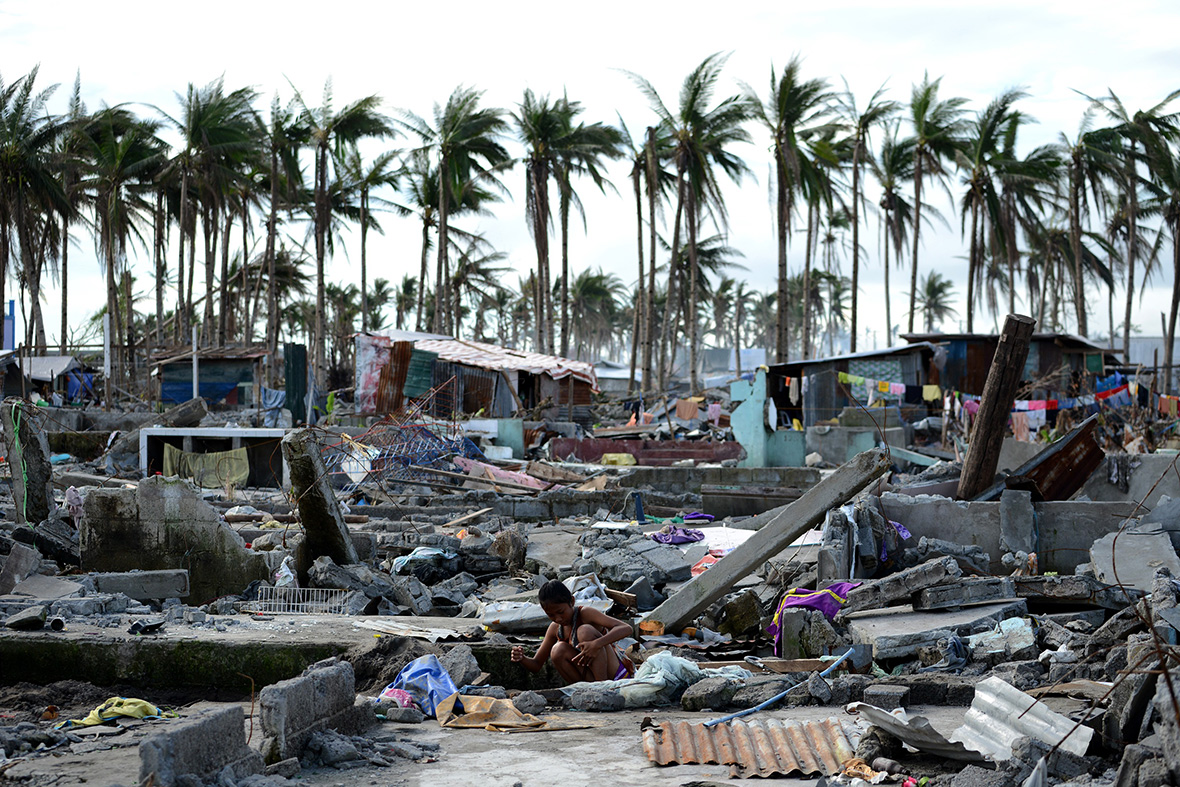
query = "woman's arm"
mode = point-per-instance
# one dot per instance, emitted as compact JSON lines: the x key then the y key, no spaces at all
{"x":615,"y":630}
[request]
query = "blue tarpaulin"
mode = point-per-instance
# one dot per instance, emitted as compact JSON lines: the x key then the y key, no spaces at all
{"x":176,"y":393}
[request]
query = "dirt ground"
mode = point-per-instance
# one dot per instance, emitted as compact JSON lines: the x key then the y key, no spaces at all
{"x":608,"y":752}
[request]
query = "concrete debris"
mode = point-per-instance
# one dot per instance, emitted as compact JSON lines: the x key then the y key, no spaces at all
{"x":313,"y":600}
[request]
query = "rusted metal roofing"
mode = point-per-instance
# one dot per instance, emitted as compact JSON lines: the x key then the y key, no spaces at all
{"x":491,"y":356}
{"x":769,"y":747}
{"x":1000,"y":714}
{"x":1060,"y":470}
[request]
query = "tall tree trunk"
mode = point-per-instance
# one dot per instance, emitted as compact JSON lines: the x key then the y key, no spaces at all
{"x":855,"y":236}
{"x":1075,"y":241}
{"x":538,"y":184}
{"x":651,"y":175}
{"x":161,"y":266}
{"x":272,"y":304}
{"x":418,"y":326}
{"x":565,"y":268}
{"x":737,"y":334}
{"x":190,"y":307}
{"x":782,"y":224}
{"x":638,"y":317}
{"x":364,"y":271}
{"x":223,"y":286}
{"x":1132,"y":245}
{"x":917,"y":234}
{"x":812,"y":209}
{"x":129,"y":331}
{"x":972,"y":263}
{"x":694,"y":378}
{"x":888,"y":301}
{"x":440,"y":284}
{"x":211,"y":217}
{"x":65,"y":281}
{"x":321,"y":231}
{"x":666,"y":333}
{"x":1170,"y":340}
{"x":180,"y":324}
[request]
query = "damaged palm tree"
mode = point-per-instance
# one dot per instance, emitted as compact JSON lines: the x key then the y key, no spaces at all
{"x":323,"y":522}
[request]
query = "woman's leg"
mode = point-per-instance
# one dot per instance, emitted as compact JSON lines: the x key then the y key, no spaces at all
{"x":605,"y":664}
{"x":562,"y":656}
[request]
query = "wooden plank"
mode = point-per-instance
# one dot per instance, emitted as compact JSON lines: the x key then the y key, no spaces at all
{"x":74,"y":478}
{"x":467,"y":517}
{"x":619,"y":597}
{"x":784,"y":527}
{"x":463,"y":476}
{"x":991,"y":422}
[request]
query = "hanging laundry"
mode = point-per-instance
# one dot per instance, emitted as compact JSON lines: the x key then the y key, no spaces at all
{"x":930,"y":393}
{"x":1036,"y":420}
{"x":844,"y":377}
{"x":793,"y":392}
{"x":883,"y":386}
{"x":686,"y":409}
{"x":897,"y":389}
{"x":713,"y":413}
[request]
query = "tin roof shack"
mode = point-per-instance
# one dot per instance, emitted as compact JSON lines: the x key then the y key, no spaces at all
{"x":229,"y":375}
{"x":43,"y":374}
{"x":1056,"y":361}
{"x":491,"y":380}
{"x":823,"y":398}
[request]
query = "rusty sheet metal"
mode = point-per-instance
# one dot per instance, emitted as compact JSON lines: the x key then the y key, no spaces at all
{"x":770,"y":747}
{"x":392,"y":379}
{"x":1060,"y":470}
{"x":491,"y":356}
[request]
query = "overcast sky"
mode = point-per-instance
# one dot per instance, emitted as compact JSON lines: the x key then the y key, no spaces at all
{"x":415,"y":54}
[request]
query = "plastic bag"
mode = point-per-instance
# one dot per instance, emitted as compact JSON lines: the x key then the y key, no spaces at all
{"x":285,"y":576}
{"x":426,"y":681}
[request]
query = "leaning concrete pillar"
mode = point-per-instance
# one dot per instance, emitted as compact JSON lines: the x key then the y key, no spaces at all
{"x":323,"y":522}
{"x":28,"y":458}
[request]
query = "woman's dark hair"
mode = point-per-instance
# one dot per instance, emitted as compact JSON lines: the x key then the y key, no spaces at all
{"x":555,"y":592}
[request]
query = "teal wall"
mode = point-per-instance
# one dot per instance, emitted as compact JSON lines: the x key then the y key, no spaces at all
{"x":764,"y":448}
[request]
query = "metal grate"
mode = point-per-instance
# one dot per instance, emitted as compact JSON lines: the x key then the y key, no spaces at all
{"x":298,"y":601}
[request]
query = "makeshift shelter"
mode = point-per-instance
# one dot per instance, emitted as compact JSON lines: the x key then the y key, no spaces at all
{"x":491,"y":380}
{"x":226,"y":374}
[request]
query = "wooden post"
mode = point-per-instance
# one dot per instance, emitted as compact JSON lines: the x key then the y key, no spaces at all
{"x":785,"y":525}
{"x":1003,"y":379}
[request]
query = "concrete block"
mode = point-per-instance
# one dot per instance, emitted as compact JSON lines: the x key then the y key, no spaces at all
{"x":22,"y":562}
{"x":40,"y":586}
{"x":897,"y":588}
{"x":887,"y":697}
{"x":597,"y":700}
{"x":672,"y":563}
{"x":529,"y":702}
{"x":899,"y":632}
{"x":28,"y":449}
{"x":460,"y":664}
{"x":1136,"y":556}
{"x":28,"y":619}
{"x":145,"y":585}
{"x":1017,"y":521}
{"x":200,"y":747}
{"x":291,"y":711}
{"x":971,"y":590}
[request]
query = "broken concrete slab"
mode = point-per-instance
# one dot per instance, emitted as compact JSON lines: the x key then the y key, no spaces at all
{"x":792,"y":521}
{"x":552,"y":551}
{"x":22,"y":561}
{"x":899,"y":632}
{"x":28,"y":458}
{"x":1072,"y":590}
{"x":325,"y":532}
{"x":40,"y":586}
{"x":969,"y":590}
{"x":28,"y":619}
{"x":898,"y":588}
{"x":1011,"y":640}
{"x":1017,"y":522}
{"x":1131,"y":557}
{"x":199,"y":748}
{"x":145,"y":585}
{"x":163,"y":524}
{"x":291,"y":711}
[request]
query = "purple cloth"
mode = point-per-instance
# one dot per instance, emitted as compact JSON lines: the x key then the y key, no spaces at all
{"x":698,"y":516}
{"x":677,"y":535}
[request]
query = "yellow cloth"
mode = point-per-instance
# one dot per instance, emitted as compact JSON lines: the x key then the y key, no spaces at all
{"x":493,"y":715}
{"x":883,"y":386}
{"x":210,"y":470}
{"x":114,"y":708}
{"x":931,"y":393}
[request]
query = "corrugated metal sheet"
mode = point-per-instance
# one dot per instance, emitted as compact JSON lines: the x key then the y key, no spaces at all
{"x":418,"y":375}
{"x":490,"y":356}
{"x":759,"y":748}
{"x":917,"y":732}
{"x":1060,"y":470}
{"x":1001,"y":713}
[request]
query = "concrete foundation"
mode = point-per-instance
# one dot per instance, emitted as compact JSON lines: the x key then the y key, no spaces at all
{"x":1151,"y":479}
{"x":163,"y":524}
{"x":1065,"y":530}
{"x":838,"y":444}
{"x":899,"y":632}
{"x":293,"y":710}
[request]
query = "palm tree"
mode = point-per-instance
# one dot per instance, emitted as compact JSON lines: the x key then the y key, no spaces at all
{"x":937,"y":126}
{"x":1133,"y":134}
{"x":893,"y":166}
{"x":820,"y":168}
{"x":465,"y":143}
{"x":1164,"y":188}
{"x":363,"y":180}
{"x":403,"y":300}
{"x":980,"y":158}
{"x":29,"y":192}
{"x":326,"y":127}
{"x":595,"y":305}
{"x":793,"y":105}
{"x":124,"y":156}
{"x":860,"y":121}
{"x":476,"y":276}
{"x":701,"y":136}
{"x":935,"y":299}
